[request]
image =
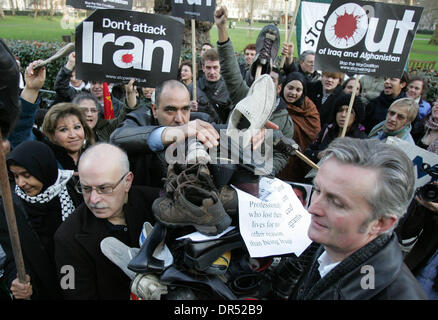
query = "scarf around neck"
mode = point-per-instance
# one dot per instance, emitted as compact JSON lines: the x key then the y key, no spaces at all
{"x":430,"y":124}
{"x":59,"y":188}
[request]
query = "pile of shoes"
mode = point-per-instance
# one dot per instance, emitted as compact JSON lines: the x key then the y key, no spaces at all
{"x":191,"y":199}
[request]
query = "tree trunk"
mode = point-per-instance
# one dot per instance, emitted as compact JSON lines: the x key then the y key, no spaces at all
{"x":11,"y":3}
{"x":2,"y":14}
{"x":202,"y":27}
{"x":434,"y":39}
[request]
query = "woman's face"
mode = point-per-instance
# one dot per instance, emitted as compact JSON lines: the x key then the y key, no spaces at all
{"x":350,"y":86}
{"x":88,"y":107}
{"x":341,"y":116}
{"x":293,"y":91}
{"x":414,"y":89}
{"x":435,"y":110}
{"x":186,"y":73}
{"x":27,"y":182}
{"x":69,"y":133}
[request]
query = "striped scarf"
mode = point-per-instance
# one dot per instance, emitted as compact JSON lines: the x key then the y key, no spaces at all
{"x":57,"y":189}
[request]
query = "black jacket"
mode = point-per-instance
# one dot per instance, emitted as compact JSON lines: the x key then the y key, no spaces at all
{"x":39,"y":263}
{"x":329,"y":133}
{"x":392,"y":278}
{"x":77,"y":244}
{"x":213,"y":99}
{"x":315,"y":93}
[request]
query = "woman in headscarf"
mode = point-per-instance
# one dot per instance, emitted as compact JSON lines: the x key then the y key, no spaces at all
{"x":305,"y":117}
{"x":44,"y":197}
{"x":331,"y":131}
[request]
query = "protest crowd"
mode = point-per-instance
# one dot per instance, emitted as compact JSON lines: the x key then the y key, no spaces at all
{"x":99,"y":207}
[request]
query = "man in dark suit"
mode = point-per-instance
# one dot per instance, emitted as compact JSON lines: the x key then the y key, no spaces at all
{"x":112,"y":208}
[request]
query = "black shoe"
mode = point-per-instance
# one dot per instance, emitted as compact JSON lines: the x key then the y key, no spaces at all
{"x":267,"y":45}
{"x":144,"y":261}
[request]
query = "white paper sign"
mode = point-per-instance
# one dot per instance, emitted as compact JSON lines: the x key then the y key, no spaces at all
{"x":275,"y":224}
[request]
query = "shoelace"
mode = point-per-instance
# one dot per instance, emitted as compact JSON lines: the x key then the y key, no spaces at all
{"x":184,"y":179}
{"x":265,"y":52}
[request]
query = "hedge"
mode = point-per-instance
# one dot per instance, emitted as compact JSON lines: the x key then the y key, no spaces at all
{"x":28,"y":51}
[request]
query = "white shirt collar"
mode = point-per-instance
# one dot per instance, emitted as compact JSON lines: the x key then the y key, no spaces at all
{"x":325,"y":264}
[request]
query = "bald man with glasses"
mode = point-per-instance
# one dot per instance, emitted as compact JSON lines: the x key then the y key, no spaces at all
{"x":112,"y":208}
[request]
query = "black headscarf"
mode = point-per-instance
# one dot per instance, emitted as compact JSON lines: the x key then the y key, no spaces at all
{"x":38,"y":159}
{"x":344,"y":100}
{"x":291,"y":77}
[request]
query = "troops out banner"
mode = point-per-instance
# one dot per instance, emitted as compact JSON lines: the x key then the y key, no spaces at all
{"x":310,"y":20}
{"x":100,"y":4}
{"x":117,"y":45}
{"x":363,"y":37}
{"x":202,"y":10}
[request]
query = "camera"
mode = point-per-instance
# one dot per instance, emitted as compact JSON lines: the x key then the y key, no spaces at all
{"x":429,"y":192}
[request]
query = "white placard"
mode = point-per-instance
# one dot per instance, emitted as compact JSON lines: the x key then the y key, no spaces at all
{"x":418,"y":157}
{"x":275,"y":224}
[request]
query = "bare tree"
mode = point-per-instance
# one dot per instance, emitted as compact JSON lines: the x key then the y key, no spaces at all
{"x":12,"y":5}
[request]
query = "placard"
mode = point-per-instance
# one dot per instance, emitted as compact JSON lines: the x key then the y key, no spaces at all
{"x":202,"y":10}
{"x":418,"y":156}
{"x":275,"y":224}
{"x":100,"y":4}
{"x":117,"y":45}
{"x":363,"y":37}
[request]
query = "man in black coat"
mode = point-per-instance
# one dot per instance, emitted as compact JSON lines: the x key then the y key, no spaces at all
{"x":362,"y":189}
{"x":377,"y":108}
{"x":212,"y":96}
{"x":113,"y":207}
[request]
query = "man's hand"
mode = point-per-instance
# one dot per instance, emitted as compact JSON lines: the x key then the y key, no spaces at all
{"x":34,"y":81}
{"x":71,"y":62}
{"x":131,"y":94}
{"x":432,"y":206}
{"x":258,"y":139}
{"x":203,"y":131}
{"x":21,"y":290}
{"x":288,"y":51}
{"x":220,"y":18}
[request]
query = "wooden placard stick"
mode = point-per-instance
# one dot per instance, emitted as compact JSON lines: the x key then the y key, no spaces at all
{"x":194,"y":66}
{"x":10,"y":217}
{"x":292,"y":23}
{"x":350,"y":106}
{"x":306,"y":160}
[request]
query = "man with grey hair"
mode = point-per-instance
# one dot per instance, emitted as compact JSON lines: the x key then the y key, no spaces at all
{"x":401,"y":114}
{"x":362,"y":189}
{"x":112,"y":208}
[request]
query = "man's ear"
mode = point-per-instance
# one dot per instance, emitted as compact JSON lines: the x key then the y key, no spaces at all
{"x":279,"y":89}
{"x":381,"y":225}
{"x":154,"y":110}
{"x":403,"y":84}
{"x":129,"y":178}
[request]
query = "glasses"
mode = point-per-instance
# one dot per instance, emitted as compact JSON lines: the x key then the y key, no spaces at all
{"x":88,"y":110}
{"x":103,"y":189}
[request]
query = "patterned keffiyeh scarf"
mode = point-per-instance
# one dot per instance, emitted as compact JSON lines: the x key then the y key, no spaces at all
{"x":57,"y":189}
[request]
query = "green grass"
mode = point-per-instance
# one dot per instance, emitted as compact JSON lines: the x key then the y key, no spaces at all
{"x":50,"y":29}
{"x":28,"y":28}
